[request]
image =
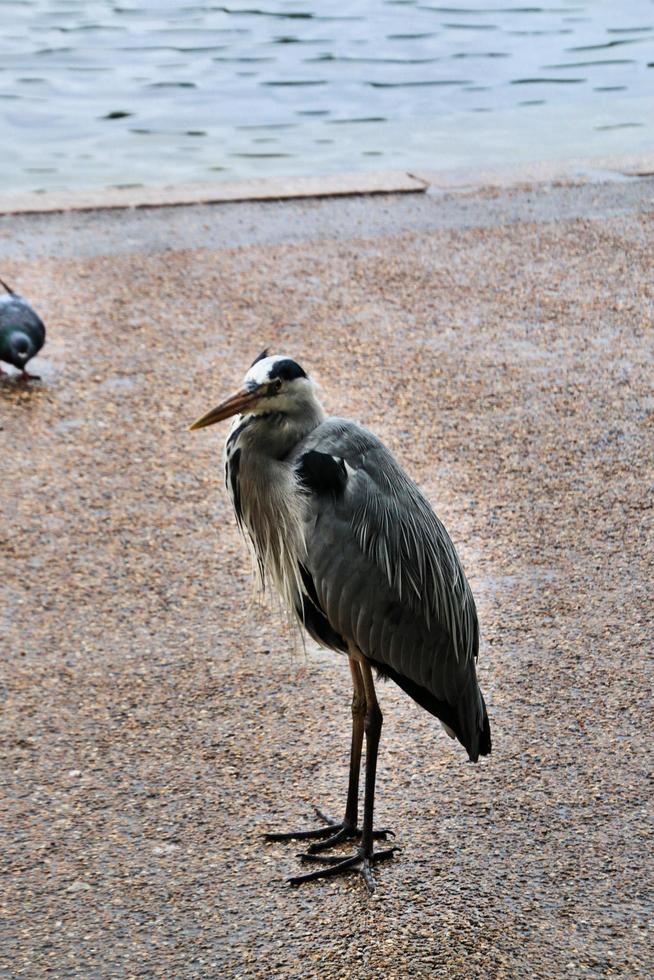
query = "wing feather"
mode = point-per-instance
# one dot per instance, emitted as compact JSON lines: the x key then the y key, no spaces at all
{"x":389,"y":579}
{"x":397,"y":530}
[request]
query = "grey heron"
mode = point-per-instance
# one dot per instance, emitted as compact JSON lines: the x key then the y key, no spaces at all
{"x":360,"y":558}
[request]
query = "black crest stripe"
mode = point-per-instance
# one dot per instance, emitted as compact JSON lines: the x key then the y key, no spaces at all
{"x":287,"y":370}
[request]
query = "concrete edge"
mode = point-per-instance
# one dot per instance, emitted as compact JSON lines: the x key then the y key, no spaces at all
{"x":572,"y":171}
{"x":268,"y":189}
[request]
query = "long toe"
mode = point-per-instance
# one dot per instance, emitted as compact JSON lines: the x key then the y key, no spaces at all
{"x":328,"y":871}
{"x":331,"y":865}
{"x":322,"y":858}
{"x":331,"y":829}
{"x":333,"y":832}
{"x":346,"y":832}
{"x":384,"y":834}
{"x":315,"y":834}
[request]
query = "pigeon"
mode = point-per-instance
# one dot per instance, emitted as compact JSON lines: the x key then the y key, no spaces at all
{"x":22,"y":332}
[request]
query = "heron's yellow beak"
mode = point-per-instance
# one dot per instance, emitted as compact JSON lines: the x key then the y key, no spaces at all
{"x":239,"y":402}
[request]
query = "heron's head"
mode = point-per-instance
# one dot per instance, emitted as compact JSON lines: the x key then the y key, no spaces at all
{"x":274,"y":385}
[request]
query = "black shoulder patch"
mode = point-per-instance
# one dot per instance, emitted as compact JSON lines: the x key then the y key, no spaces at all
{"x":322,"y":473}
{"x":264,"y":353}
{"x":287,"y":370}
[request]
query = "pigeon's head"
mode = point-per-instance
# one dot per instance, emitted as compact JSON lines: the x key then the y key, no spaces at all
{"x":19,"y":349}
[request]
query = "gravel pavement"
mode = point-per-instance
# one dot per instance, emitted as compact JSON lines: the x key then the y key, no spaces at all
{"x":155,"y":720}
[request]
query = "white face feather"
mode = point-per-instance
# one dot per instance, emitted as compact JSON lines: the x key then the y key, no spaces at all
{"x":294,"y":395}
{"x":260,"y":372}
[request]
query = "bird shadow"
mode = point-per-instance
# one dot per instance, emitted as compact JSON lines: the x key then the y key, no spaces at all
{"x":16,"y":391}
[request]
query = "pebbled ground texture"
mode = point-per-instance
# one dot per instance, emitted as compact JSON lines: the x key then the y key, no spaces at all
{"x":155,"y":721}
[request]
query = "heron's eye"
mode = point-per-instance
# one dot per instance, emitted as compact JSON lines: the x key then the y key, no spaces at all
{"x":277,"y":384}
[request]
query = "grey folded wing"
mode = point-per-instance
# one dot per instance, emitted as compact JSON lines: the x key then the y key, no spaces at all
{"x":383,"y":572}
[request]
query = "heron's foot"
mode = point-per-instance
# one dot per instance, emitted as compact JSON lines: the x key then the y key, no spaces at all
{"x":332,"y":833}
{"x":26,"y":376}
{"x":330,"y":829}
{"x":333,"y":865}
{"x":343,"y":830}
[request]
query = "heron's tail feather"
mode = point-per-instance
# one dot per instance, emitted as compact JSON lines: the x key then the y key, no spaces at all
{"x":467,"y":720}
{"x":485,"y":741}
{"x":472,"y":727}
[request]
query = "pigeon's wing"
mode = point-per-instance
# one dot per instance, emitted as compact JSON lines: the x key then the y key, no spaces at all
{"x":15,"y":313}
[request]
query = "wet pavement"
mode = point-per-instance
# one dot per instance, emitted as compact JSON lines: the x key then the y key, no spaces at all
{"x":156,"y":721}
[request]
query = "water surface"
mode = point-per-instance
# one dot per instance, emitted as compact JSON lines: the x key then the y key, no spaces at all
{"x":116,"y":92}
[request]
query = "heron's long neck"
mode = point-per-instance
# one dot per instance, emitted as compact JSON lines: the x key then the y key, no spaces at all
{"x":275,"y":436}
{"x":266,"y":495}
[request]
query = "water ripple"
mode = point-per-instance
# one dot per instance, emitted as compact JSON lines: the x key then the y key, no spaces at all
{"x":421,"y":82}
{"x":546,"y":81}
{"x":116,"y":92}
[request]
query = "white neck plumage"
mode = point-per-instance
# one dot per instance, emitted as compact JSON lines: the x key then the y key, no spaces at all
{"x":267,"y":498}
